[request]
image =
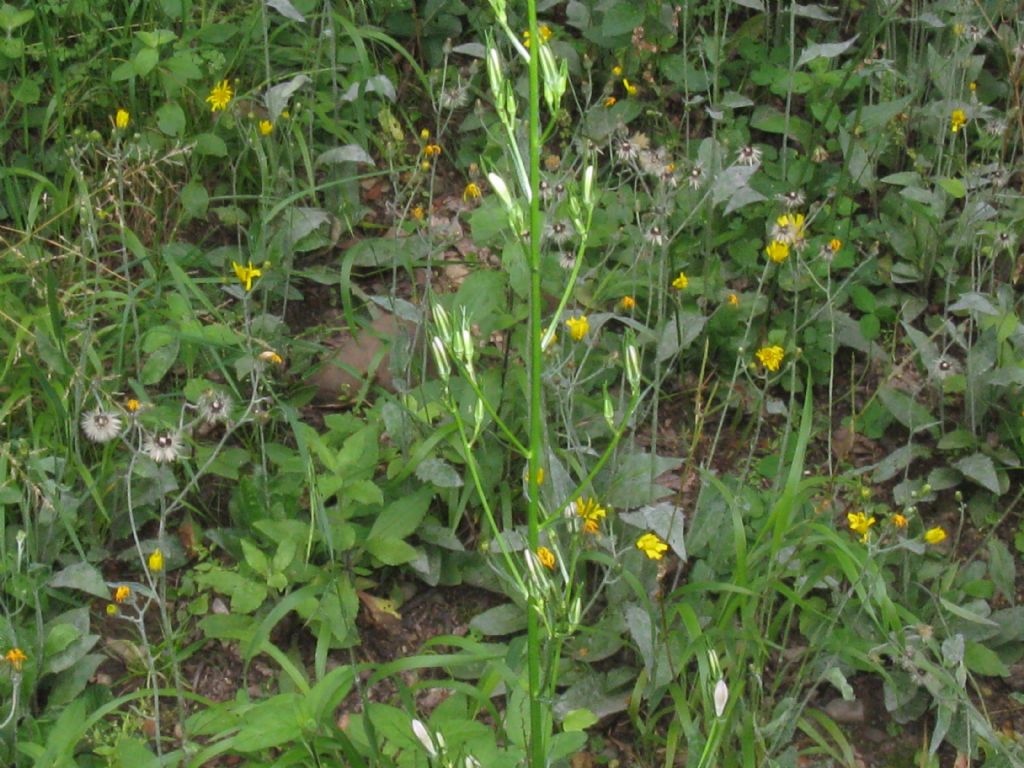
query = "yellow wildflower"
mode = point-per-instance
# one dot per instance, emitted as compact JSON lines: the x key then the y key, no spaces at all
{"x":266,"y":127}
{"x":652,"y":546}
{"x":220,"y":96}
{"x":973,"y":86}
{"x":122,"y":593}
{"x":16,"y":657}
{"x":789,"y":228}
{"x":112,"y":610}
{"x":616,"y":71}
{"x":246,"y":275}
{"x":777,"y":251}
{"x":591,"y":512}
{"x":546,"y":557}
{"x":733,"y":300}
{"x":861,"y":524}
{"x":771,"y":357}
{"x":425,"y":134}
{"x":432,"y":150}
{"x":156,"y":561}
{"x":630,"y":88}
{"x":610,"y":101}
{"x":417,"y":213}
{"x":132,"y":405}
{"x":122,"y":118}
{"x":935,"y":535}
{"x":957,"y":120}
{"x":899,"y":520}
{"x":681,"y":281}
{"x":578,"y":327}
{"x":835,"y":244}
{"x":471,"y":192}
{"x":627,"y":303}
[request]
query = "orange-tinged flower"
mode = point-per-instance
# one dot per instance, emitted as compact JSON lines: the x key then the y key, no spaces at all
{"x":15,"y":657}
{"x":122,"y":593}
{"x":899,"y":520}
{"x":627,"y":303}
{"x":132,"y":405}
{"x":432,"y":150}
{"x":546,"y":557}
{"x":733,"y":300}
{"x":610,"y":101}
{"x":471,"y":192}
{"x":592,"y":513}
{"x":270,"y":356}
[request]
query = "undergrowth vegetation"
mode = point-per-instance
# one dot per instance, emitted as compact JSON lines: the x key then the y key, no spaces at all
{"x":671,"y":352}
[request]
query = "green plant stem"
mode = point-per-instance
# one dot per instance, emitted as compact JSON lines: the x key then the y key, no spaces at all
{"x":538,"y":738}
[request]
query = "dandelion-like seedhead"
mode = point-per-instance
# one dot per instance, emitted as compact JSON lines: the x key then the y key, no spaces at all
{"x":101,"y":426}
{"x":214,"y":407}
{"x":749,"y":155}
{"x":163,"y":447}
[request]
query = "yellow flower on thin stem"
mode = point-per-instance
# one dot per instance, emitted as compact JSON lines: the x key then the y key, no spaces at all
{"x":610,"y":101}
{"x":627,"y":303}
{"x":417,"y":213}
{"x":957,"y":120}
{"x":617,"y":71}
{"x":220,"y":96}
{"x":861,"y":524}
{"x":15,"y":657}
{"x":432,"y":150}
{"x":132,"y":405}
{"x":777,"y":251}
{"x":591,"y":512}
{"x":771,"y":357}
{"x":733,"y":300}
{"x":156,"y":561}
{"x":122,"y":593}
{"x":578,"y":327}
{"x":898,"y":520}
{"x":270,"y":356}
{"x":546,"y":558}
{"x":631,"y":89}
{"x":681,"y":282}
{"x":266,"y":127}
{"x":471,"y":192}
{"x":122,"y":118}
{"x":246,"y":274}
{"x":652,"y":546}
{"x":935,"y":535}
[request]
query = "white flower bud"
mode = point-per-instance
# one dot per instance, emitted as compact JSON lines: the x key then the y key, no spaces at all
{"x":721,"y":697}
{"x":423,"y":735}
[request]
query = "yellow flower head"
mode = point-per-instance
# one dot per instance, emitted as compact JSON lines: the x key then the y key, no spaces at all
{"x":860,"y":523}
{"x":616,"y":71}
{"x":681,"y":281}
{"x":627,"y":303}
{"x":432,"y":150}
{"x":156,"y":561}
{"x":220,"y":96}
{"x":899,"y":520}
{"x":578,"y":327}
{"x":957,"y":120}
{"x":15,"y":657}
{"x":835,"y":244}
{"x":652,"y":546}
{"x":789,"y":228}
{"x":270,"y":356}
{"x":266,"y":127}
{"x":631,"y":89}
{"x":417,"y":213}
{"x":610,"y":101}
{"x":733,"y":300}
{"x":246,"y":275}
{"x":935,"y":535}
{"x":777,"y":251}
{"x":771,"y":357}
{"x":132,"y":405}
{"x":973,"y":86}
{"x":544,"y":32}
{"x":471,"y":192}
{"x":112,"y":610}
{"x":546,"y":557}
{"x":122,"y":593}
{"x":425,"y":134}
{"x":122,"y":118}
{"x":591,"y":512}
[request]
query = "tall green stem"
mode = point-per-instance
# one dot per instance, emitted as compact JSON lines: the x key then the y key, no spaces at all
{"x":538,"y":735}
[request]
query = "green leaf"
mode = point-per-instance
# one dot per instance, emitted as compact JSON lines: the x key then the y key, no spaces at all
{"x":1002,"y":569}
{"x":679,"y":332}
{"x":578,"y":720}
{"x":953,"y":187}
{"x":771,"y":120}
{"x":401,"y":517}
{"x":504,"y":619}
{"x":159,"y":363}
{"x":622,"y":19}
{"x":211,"y":145}
{"x":439,"y":472}
{"x":27,"y":91}
{"x":824,"y":50}
{"x":905,"y":409}
{"x":170,"y":119}
{"x":979,"y":468}
{"x":983,"y":661}
{"x":144,"y":61}
{"x":194,"y":199}
{"x":391,"y":551}
{"x":84,"y":577}
{"x":254,"y":556}
{"x":270,"y":723}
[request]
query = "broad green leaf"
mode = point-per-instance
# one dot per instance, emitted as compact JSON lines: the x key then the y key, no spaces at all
{"x":439,"y":472}
{"x":391,"y":551}
{"x":1002,"y":568}
{"x":679,"y":332}
{"x":983,"y":661}
{"x":401,"y":517}
{"x":159,"y":363}
{"x":84,"y":577}
{"x":211,"y":145}
{"x":953,"y":187}
{"x":824,"y":50}
{"x":144,"y":61}
{"x":979,"y":468}
{"x":578,"y":720}
{"x":170,"y":119}
{"x":504,"y":619}
{"x":905,"y":409}
{"x":622,"y":19}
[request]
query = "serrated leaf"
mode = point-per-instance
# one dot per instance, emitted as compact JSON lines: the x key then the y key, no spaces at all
{"x":286,"y":9}
{"x":824,"y":50}
{"x":84,"y":577}
{"x":350,"y":153}
{"x":277,"y":96}
{"x":979,"y":468}
{"x":439,"y":472}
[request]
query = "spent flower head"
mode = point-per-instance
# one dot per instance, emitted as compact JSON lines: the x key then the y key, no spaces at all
{"x":214,"y":407}
{"x":101,"y":426}
{"x":163,"y":447}
{"x":749,"y":155}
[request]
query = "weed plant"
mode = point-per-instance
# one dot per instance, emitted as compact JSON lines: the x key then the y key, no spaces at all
{"x":702,"y":356}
